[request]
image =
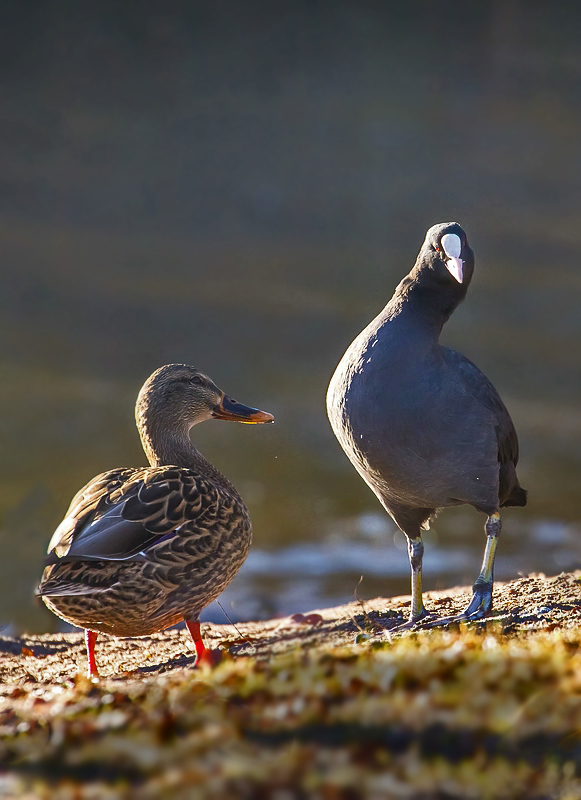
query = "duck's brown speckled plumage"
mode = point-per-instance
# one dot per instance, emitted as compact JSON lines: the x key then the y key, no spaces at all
{"x":141,"y":549}
{"x":186,"y":537}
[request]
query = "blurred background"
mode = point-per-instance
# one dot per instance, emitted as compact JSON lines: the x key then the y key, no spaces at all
{"x":240,"y":186}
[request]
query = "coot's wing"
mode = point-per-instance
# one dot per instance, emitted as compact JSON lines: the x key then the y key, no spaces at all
{"x":478,"y":386}
{"x":122,"y":513}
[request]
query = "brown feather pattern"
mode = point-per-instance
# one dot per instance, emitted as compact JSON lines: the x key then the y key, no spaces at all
{"x":170,"y":577}
{"x":143,"y":548}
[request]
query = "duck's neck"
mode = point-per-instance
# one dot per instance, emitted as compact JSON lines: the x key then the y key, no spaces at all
{"x":165,"y":446}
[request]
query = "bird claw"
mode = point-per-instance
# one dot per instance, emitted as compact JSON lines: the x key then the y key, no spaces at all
{"x":478,"y":608}
{"x":414,"y":623}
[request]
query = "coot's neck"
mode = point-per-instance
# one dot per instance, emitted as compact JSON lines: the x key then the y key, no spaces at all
{"x":423,"y":304}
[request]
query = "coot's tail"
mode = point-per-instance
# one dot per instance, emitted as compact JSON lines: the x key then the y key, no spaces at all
{"x":518,"y":497}
{"x":510,"y":492}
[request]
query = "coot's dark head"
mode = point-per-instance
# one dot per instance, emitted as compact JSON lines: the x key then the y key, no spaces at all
{"x":447,"y":255}
{"x":442,"y":272}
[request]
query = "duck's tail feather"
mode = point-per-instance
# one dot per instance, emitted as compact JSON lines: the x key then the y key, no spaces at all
{"x":64,"y":589}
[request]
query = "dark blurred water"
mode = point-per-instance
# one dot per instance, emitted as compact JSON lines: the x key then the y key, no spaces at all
{"x":241,"y":186}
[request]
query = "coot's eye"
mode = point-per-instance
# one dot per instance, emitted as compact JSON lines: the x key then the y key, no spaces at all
{"x":437,"y":248}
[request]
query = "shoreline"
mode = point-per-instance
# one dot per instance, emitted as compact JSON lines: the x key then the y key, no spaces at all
{"x":530,"y":603}
{"x":331,"y":708}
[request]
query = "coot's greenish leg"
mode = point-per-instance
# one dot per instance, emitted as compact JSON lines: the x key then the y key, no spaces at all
{"x":417,"y":611}
{"x":416,"y":554}
{"x":481,"y":601}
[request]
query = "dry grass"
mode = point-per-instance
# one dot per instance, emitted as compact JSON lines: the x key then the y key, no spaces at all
{"x":491,"y":711}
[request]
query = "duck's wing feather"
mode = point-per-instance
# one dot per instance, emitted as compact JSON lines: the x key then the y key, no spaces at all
{"x":122,"y":513}
{"x":475,"y":383}
{"x":89,"y":504}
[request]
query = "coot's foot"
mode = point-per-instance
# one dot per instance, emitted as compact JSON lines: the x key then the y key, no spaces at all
{"x":478,"y":607}
{"x":418,"y":621}
{"x":481,"y":602}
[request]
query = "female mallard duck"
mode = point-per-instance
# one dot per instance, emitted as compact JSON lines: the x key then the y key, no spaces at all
{"x":143,"y":548}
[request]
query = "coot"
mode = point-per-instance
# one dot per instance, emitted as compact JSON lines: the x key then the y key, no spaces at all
{"x":421,"y":424}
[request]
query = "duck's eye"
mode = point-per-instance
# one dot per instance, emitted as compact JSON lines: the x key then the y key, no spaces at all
{"x":195,"y":381}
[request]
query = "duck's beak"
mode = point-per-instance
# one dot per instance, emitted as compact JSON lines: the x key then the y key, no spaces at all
{"x":231,"y":410}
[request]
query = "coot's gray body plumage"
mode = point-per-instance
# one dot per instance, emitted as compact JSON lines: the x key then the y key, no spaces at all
{"x":143,"y":548}
{"x":421,"y":424}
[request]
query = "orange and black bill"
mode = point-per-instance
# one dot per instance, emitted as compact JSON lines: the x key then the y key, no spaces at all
{"x":231,"y":410}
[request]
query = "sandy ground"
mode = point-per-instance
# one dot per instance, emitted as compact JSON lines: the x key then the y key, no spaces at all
{"x":527,"y":604}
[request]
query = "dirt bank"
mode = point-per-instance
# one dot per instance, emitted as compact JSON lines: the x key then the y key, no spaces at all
{"x":328,"y":707}
{"x":526,"y":604}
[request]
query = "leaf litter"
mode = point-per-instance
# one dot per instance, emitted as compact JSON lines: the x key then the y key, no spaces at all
{"x":334,"y":708}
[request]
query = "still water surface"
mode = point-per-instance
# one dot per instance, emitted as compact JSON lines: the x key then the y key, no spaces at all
{"x":318,"y":529}
{"x":243,"y":192}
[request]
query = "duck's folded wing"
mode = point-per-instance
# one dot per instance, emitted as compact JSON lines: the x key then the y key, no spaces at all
{"x":481,"y":389}
{"x":122,"y":513}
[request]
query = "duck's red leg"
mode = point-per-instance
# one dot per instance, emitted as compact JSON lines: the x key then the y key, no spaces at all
{"x":194,"y":629}
{"x":90,"y":639}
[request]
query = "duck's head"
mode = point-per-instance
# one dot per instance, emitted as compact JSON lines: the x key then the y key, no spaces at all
{"x":181,"y":396}
{"x":447,"y":254}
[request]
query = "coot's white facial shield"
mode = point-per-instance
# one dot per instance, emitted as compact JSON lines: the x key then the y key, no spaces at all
{"x":452,"y":246}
